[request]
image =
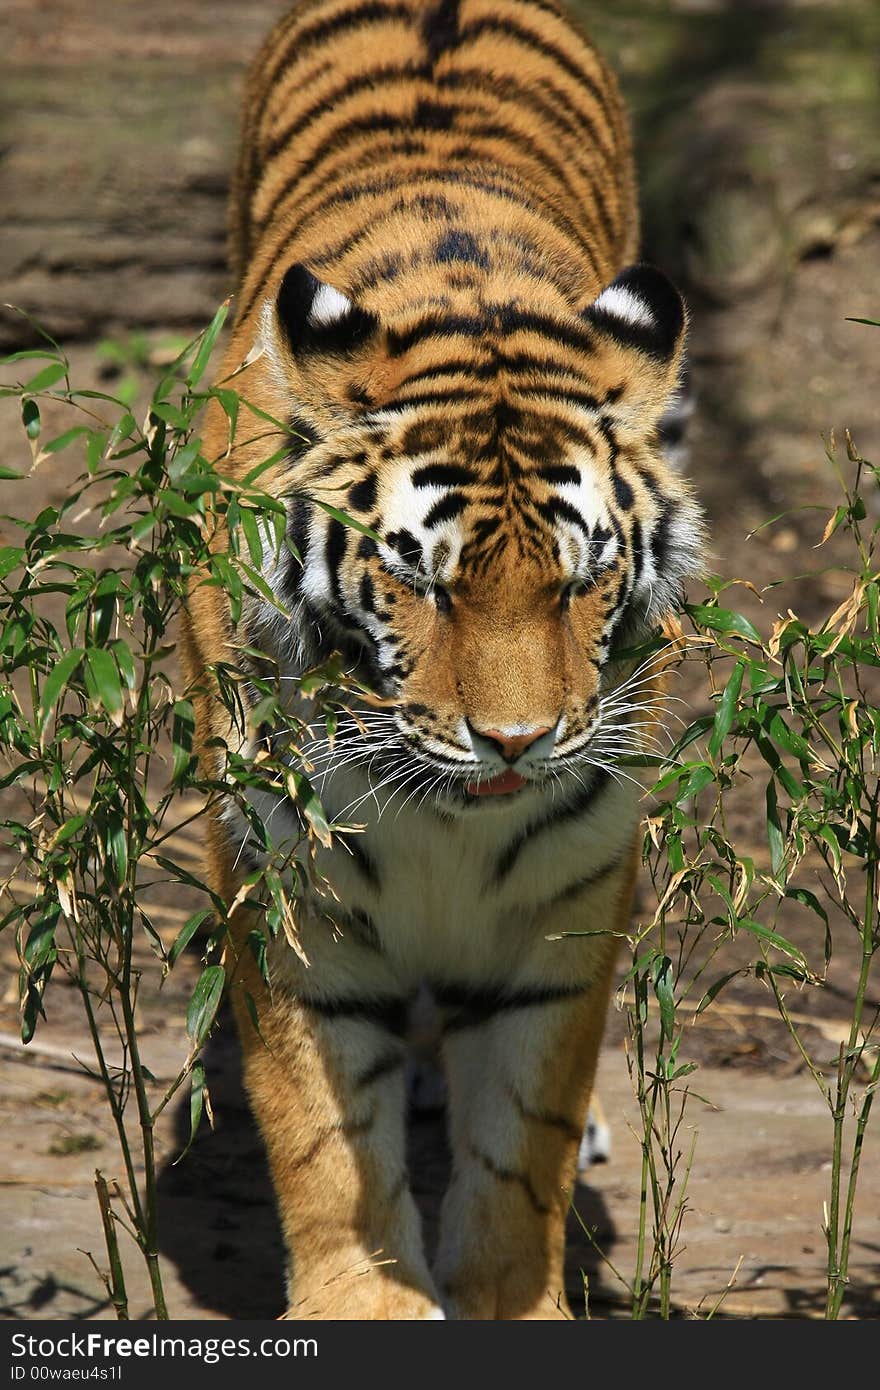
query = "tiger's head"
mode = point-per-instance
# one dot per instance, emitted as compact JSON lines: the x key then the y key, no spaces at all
{"x":516,"y":521}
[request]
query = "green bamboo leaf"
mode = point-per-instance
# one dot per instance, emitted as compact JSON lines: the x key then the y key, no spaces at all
{"x":229,"y":403}
{"x":775,"y":836}
{"x":715,"y":989}
{"x":665,"y":993}
{"x":251,"y":528}
{"x":182,"y":735}
{"x":187,"y":932}
{"x":117,"y":846}
{"x":11,"y":557}
{"x":67,"y":830}
{"x":169,"y":414}
{"x":105,"y":675}
{"x":30,"y":418}
{"x":197,"y":1092}
{"x":827,"y":834}
{"x":41,"y":938}
{"x":28,"y":355}
{"x":178,"y":872}
{"x":301,"y":791}
{"x":723,"y":620}
{"x":61,"y":441}
{"x":265,"y":590}
{"x":58,"y":677}
{"x":699,"y":778}
{"x":204,"y":1003}
{"x":690,"y":735}
{"x":46,"y":378}
{"x":125,"y":661}
{"x":347,"y":520}
{"x":772,"y":938}
{"x":726,"y":712}
{"x":206,"y":347}
{"x":787,"y":738}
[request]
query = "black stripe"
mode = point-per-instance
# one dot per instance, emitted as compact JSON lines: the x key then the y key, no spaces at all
{"x":470,"y":367}
{"x":565,"y":396}
{"x":539,"y":363}
{"x":342,"y":134}
{"x":609,"y":434}
{"x":440,"y":29}
{"x":572,"y":890}
{"x":584,"y":801}
{"x":557,"y":509}
{"x":660,"y":539}
{"x":559,"y":112}
{"x":301,"y":437}
{"x":389,"y":1012}
{"x":510,"y":1175}
{"x":364,"y":861}
{"x":462,"y":247}
{"x":354,"y":1127}
{"x":407,"y":547}
{"x":504,"y":319}
{"x":507,"y":191}
{"x":362,"y":495}
{"x":367,"y":593}
{"x":559,"y":473}
{"x":637,"y":551}
{"x":435,"y":325}
{"x":451,"y":397}
{"x":448,"y":507}
{"x":385,"y":1065}
{"x":511,"y":30}
{"x":317,"y":1144}
{"x":331,"y":101}
{"x":441,"y":475}
{"x":334,"y":552}
{"x":525,"y":145}
{"x":311,"y":35}
{"x":364,"y":929}
{"x":623,"y":493}
{"x":552,"y":1119}
{"x":471,"y":1008}
{"x":298,"y":539}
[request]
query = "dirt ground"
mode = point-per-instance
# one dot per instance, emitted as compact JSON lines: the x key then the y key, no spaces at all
{"x":756,"y":127}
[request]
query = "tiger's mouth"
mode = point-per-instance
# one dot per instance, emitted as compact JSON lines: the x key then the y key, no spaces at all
{"x":502,"y":784}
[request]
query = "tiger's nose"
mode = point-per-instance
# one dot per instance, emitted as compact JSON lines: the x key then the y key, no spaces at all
{"x":512,"y":746}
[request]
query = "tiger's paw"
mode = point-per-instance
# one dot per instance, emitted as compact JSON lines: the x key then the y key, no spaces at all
{"x":366,"y":1298}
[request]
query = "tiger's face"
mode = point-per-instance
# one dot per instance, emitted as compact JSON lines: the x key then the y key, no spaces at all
{"x":516,"y":523}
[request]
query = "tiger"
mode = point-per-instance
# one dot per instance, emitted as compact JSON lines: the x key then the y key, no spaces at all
{"x":435,"y":243}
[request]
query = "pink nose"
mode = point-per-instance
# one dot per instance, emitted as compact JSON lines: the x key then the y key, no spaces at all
{"x":512,"y":746}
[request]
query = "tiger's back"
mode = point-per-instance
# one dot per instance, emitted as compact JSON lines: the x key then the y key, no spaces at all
{"x":368,"y":123}
{"x":432,"y":218}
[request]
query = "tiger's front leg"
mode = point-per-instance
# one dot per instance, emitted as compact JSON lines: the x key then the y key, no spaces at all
{"x":520,"y":1083}
{"x":325,"y":1078}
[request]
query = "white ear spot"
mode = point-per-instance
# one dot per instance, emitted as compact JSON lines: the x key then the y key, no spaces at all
{"x":328,"y":307}
{"x":620,"y":303}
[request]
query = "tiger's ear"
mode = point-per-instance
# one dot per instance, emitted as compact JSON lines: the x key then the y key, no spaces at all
{"x":318,"y":319}
{"x":639,"y":324}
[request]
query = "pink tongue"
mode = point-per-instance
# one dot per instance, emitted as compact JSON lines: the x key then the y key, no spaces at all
{"x":505,"y":782}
